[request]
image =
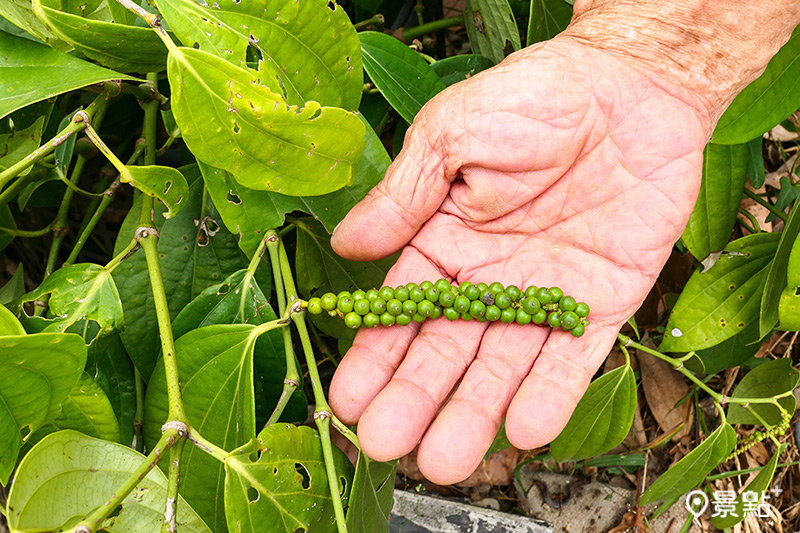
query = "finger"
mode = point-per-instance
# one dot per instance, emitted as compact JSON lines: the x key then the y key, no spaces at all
{"x":548,"y":396}
{"x":376,"y":353}
{"x":414,"y":187}
{"x":394,"y":422}
{"x":454,"y":445}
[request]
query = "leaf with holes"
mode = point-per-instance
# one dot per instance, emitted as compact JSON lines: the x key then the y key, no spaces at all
{"x":690,"y":471}
{"x":720,"y":302}
{"x":547,"y":19}
{"x":116,"y":46}
{"x":765,"y":102}
{"x":311,"y":47}
{"x":77,"y":293}
{"x":714,"y":214}
{"x":248,"y":212}
{"x":491,"y":28}
{"x":372,"y":495}
{"x":230,"y":118}
{"x":31,"y":72}
{"x":602,"y":418}
{"x":777,"y":277}
{"x":767,"y":380}
{"x":195,"y":252}
{"x":15,"y":146}
{"x":165,"y":183}
{"x":38,"y":371}
{"x":399,"y":73}
{"x":216,"y":369}
{"x":759,"y":486}
{"x":68,"y":475}
{"x":286,"y":486}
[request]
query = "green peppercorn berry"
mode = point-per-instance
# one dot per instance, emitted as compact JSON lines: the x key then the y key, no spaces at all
{"x":328,"y":301}
{"x":359,"y":295}
{"x":387,"y":319}
{"x":432,"y":294}
{"x":314,"y":306}
{"x":493,"y":313}
{"x":509,"y":315}
{"x":557,"y":293}
{"x":410,"y":307}
{"x":487,"y":297}
{"x":443,"y":285}
{"x":472,"y":292}
{"x":387,"y":293}
{"x":447,"y":298}
{"x":352,"y":320}
{"x":554,"y":319}
{"x":403,"y":320}
{"x":425,"y":307}
{"x":477,"y":309}
{"x":412,"y":285}
{"x":464,"y":285}
{"x":569,"y":320}
{"x":502,"y":300}
{"x":522,"y":317}
{"x":371,"y":320}
{"x":394,"y":307}
{"x":481,"y":319}
{"x":582,"y":310}
{"x":461,"y":304}
{"x":416,"y":294}
{"x":496,"y":287}
{"x":401,"y":293}
{"x":532,"y":291}
{"x":361,"y":307}
{"x":514,"y":293}
{"x":372,"y":294}
{"x":418,"y":318}
{"x":451,"y":314}
{"x":437,"y":312}
{"x":482,"y":286}
{"x":567,"y":303}
{"x":378,"y":306}
{"x":530,"y":304}
{"x":345,"y":304}
{"x":466,"y":317}
{"x":544,"y":296}
{"x":577,"y":331}
{"x":539,"y":317}
{"x":425,"y":285}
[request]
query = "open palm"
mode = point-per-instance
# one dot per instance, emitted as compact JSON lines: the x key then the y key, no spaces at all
{"x":563,"y":166}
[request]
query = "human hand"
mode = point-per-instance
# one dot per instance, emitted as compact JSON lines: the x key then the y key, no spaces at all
{"x":563,"y":166}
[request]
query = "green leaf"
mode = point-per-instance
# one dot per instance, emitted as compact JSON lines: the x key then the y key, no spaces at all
{"x":38,"y":371}
{"x":195,"y":252}
{"x":755,"y":162}
{"x":78,"y":292}
{"x":6,"y":221}
{"x":759,"y":485}
{"x":165,"y":183}
{"x":714,"y":214}
{"x":491,"y":28}
{"x":499,"y":443}
{"x":216,"y":369}
{"x":692,"y":469}
{"x":718,"y":303}
{"x":249,"y":213}
{"x":311,"y":47}
{"x":731,"y":352}
{"x":9,"y":325}
{"x":109,"y":365}
{"x":20,"y":13}
{"x":787,"y":194}
{"x":765,"y":102}
{"x":15,"y":287}
{"x":602,"y":418}
{"x":458,"y":68}
{"x":15,"y":146}
{"x":371,"y":495}
{"x":117,"y":46}
{"x":230,"y":118}
{"x":68,"y":475}
{"x":767,"y":380}
{"x":400,"y":74}
{"x":776,"y":277}
{"x":31,"y":72}
{"x":287,"y":486}
{"x":548,"y":19}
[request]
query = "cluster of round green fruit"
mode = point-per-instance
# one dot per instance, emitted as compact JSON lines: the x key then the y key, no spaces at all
{"x":485,"y":303}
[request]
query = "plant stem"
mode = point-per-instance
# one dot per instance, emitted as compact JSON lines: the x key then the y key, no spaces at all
{"x":734,"y":473}
{"x":377,"y":20}
{"x":772,"y":209}
{"x":170,"y":523}
{"x":91,"y":523}
{"x":431,"y":27}
{"x":138,"y":415}
{"x":27,"y":233}
{"x":108,"y":197}
{"x":207,"y":446}
{"x":755,"y":227}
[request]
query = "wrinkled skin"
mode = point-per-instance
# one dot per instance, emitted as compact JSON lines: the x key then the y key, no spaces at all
{"x":563,"y":166}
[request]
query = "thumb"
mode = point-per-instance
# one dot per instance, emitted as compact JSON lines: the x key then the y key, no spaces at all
{"x":414,"y":187}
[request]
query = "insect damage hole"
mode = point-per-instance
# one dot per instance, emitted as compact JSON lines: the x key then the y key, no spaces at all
{"x":252,"y":495}
{"x":306,"y":477}
{"x":167,"y":187}
{"x":236,"y":128}
{"x":331,"y":5}
{"x":233,"y":198}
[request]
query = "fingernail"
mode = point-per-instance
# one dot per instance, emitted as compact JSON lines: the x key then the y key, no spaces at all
{"x":337,"y":227}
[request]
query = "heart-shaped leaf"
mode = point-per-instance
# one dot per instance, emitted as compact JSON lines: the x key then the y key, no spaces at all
{"x":371,"y":496}
{"x":767,"y":380}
